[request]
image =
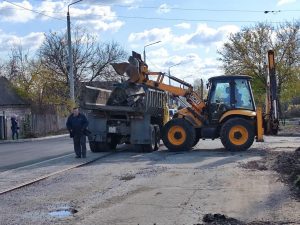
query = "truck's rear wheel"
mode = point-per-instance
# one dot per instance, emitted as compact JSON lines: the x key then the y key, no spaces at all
{"x":112,"y":145}
{"x":157,"y":137}
{"x":237,"y":134}
{"x":93,"y":146}
{"x":103,"y":147}
{"x":178,"y":135}
{"x":150,"y":147}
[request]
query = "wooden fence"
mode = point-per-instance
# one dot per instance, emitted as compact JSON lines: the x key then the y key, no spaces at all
{"x":32,"y":125}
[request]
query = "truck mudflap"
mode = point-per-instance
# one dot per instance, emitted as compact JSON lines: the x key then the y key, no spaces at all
{"x":140,"y":130}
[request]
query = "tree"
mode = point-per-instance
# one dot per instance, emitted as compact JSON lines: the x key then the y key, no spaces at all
{"x":198,"y":88}
{"x":45,"y":90}
{"x":91,"y":58}
{"x":245,"y":53}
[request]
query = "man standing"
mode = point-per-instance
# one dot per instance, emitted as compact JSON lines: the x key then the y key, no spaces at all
{"x":14,"y":127}
{"x":76,"y":124}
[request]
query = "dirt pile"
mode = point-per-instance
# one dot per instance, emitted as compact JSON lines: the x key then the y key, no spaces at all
{"x":287,"y":164}
{"x":219,"y":219}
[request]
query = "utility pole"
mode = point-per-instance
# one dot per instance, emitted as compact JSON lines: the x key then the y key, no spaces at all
{"x":70,"y":56}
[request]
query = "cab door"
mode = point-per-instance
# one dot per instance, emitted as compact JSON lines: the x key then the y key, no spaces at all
{"x":219,"y":99}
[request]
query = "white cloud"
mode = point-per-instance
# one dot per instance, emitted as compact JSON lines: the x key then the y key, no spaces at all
{"x":31,"y":41}
{"x":281,"y":2}
{"x":12,"y":13}
{"x":204,"y":36}
{"x":165,"y":8}
{"x":99,"y":25}
{"x":184,"y":25}
{"x":159,"y":53}
{"x":190,"y":64}
{"x":133,"y":7}
{"x":56,"y":9}
{"x":148,"y":36}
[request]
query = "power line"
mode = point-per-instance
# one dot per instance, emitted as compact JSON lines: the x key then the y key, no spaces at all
{"x":178,"y":8}
{"x":34,"y":11}
{"x":152,"y":63}
{"x":147,"y":18}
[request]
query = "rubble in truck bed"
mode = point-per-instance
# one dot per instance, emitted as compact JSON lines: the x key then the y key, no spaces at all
{"x":127,"y":94}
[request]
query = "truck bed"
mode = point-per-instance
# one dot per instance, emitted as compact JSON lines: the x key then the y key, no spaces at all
{"x":107,"y":108}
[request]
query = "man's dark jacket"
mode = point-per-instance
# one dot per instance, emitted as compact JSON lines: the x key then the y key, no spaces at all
{"x":77,"y":124}
{"x":14,"y":124}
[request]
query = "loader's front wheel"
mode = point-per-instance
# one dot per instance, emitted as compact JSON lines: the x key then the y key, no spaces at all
{"x":178,"y":135}
{"x":237,"y":134}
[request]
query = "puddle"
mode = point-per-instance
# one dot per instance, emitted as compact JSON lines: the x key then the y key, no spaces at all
{"x":130,"y":177}
{"x":61,"y":213}
{"x":65,"y":211}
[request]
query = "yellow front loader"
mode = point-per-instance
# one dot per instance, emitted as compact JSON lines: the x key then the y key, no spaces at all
{"x":228,"y":113}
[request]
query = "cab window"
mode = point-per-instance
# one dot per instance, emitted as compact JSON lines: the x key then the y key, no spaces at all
{"x":243,"y":96}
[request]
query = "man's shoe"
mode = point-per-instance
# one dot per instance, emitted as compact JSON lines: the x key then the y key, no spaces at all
{"x":83,"y":156}
{"x":77,"y":157}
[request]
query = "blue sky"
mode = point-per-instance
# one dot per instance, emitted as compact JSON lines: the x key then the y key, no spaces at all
{"x":190,"y":31}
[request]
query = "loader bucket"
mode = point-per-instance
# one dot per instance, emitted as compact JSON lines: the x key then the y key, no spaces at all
{"x":131,"y":71}
{"x":120,"y":68}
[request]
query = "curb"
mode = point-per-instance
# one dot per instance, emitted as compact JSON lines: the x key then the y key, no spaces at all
{"x":288,"y":134}
{"x":33,"y":139}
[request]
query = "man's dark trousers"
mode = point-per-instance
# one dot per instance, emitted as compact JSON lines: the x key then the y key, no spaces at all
{"x":80,"y":145}
{"x":13,"y":134}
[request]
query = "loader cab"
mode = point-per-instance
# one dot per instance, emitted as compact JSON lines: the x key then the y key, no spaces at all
{"x":229,"y":93}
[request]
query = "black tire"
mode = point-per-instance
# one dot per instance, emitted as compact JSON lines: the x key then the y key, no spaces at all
{"x":103,"y":147}
{"x":237,"y":134}
{"x":150,"y":147}
{"x":93,"y":146}
{"x":112,"y":146}
{"x":157,"y":137}
{"x":198,"y":136}
{"x":178,"y":135}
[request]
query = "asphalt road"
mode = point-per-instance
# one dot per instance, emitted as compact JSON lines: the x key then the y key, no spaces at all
{"x":14,"y":155}
{"x":162,"y":187}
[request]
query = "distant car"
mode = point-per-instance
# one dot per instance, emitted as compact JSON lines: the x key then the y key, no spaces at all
{"x":172,"y":112}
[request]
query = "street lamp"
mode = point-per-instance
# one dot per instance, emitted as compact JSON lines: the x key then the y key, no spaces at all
{"x":185,"y":77}
{"x":145,"y":51}
{"x":70,"y":55}
{"x":170,"y":73}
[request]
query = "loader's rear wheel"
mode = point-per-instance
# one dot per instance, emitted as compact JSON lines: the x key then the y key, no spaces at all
{"x":237,"y":134}
{"x":93,"y":146}
{"x":150,"y":147}
{"x":178,"y":135}
{"x":157,"y":137}
{"x":198,"y":136}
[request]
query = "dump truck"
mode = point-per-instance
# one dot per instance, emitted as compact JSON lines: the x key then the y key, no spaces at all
{"x":133,"y":114}
{"x":228,"y":113}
